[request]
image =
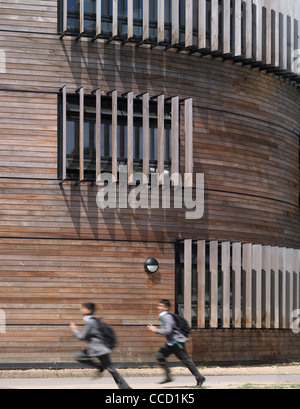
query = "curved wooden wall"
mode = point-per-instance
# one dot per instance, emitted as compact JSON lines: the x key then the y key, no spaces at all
{"x":246,"y":142}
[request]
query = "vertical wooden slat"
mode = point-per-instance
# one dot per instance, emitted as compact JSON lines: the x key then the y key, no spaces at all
{"x":161,"y":137}
{"x":65,"y":16}
{"x":275,"y":36}
{"x":81,"y":21}
{"x":146,"y":142}
{"x":64,"y":133}
{"x":290,"y":287}
{"x":160,"y":21}
{"x":129,"y":19}
{"x":266,"y":267}
{"x":201,"y":24}
{"x":213,"y":266}
{"x":175,"y":140}
{"x":249,"y":25}
{"x":130,"y":137}
{"x":175,"y":22}
{"x":98,"y":136}
{"x":201,"y":247}
{"x":214,"y":32}
{"x":188,"y":23}
{"x":275,"y":272}
{"x":237,"y":285}
{"x":297,"y":281}
{"x":282,"y":39}
{"x":226,"y":26}
{"x":226,"y":285}
{"x":267,"y":40}
{"x":81,"y":133}
{"x":145,"y":20}
{"x":98,"y":17}
{"x":188,"y":124}
{"x":115,"y":135}
{"x":257,"y":268}
{"x":258,"y":31}
{"x":115,"y":18}
{"x":247,"y":267}
{"x":282,"y":271}
{"x":188,"y":280}
{"x":237,"y":47}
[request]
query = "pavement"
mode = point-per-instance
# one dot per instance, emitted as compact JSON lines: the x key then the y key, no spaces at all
{"x":279,"y":377}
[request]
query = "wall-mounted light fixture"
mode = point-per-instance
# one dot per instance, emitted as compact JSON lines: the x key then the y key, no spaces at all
{"x":151,"y":265}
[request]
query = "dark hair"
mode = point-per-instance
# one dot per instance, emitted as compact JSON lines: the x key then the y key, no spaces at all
{"x":165,"y":302}
{"x":90,"y":306}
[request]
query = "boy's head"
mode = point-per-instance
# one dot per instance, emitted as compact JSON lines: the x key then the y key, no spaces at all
{"x":164,"y":305}
{"x":88,"y":308}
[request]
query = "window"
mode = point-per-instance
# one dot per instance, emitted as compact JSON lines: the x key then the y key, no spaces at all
{"x":89,"y":135}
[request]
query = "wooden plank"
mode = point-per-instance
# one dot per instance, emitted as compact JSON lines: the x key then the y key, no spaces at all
{"x":188,"y":280}
{"x":114,"y":131}
{"x":201,"y":266}
{"x":146,"y":142}
{"x":145,"y":20}
{"x":257,"y":30}
{"x":282,"y":273}
{"x":290,"y":286}
{"x":175,"y":141}
{"x":249,"y":25}
{"x":98,"y":17}
{"x":266,"y":267}
{"x":188,"y":23}
{"x":129,"y":19}
{"x":237,"y":49}
{"x":189,"y":149}
{"x":226,"y":26}
{"x":160,"y":21}
{"x":201,"y":24}
{"x":213,"y":267}
{"x":115,"y":18}
{"x":275,"y":272}
{"x":81,"y":17}
{"x":161,"y":137}
{"x":226,"y":285}
{"x":237,"y":285}
{"x":64,"y":132}
{"x":81,"y":133}
{"x":256,"y":271}
{"x":175,"y":22}
{"x":130,"y":136}
{"x":98,"y":137}
{"x":247,"y":267}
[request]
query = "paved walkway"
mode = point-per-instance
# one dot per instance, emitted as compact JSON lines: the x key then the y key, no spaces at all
{"x":145,"y":382}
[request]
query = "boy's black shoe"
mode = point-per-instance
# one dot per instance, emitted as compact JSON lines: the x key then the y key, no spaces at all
{"x":200,"y":382}
{"x":166,"y":380}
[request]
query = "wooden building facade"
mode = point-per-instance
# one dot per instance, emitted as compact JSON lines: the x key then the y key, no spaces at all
{"x":140,"y":87}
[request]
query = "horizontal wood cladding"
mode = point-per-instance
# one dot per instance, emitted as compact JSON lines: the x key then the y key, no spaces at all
{"x":43,"y":283}
{"x":44,"y":209}
{"x":244,"y":345}
{"x":29,"y":16}
{"x":28,"y":129}
{"x":60,"y":273}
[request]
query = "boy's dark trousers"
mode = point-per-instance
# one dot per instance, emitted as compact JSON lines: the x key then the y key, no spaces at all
{"x":105,"y":363}
{"x":180,"y":352}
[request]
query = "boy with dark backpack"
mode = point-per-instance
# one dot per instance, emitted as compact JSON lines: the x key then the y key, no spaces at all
{"x":175,"y":329}
{"x":101,"y":340}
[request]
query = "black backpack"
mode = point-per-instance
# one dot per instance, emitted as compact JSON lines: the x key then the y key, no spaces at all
{"x":182,"y":325}
{"x":109,"y":336}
